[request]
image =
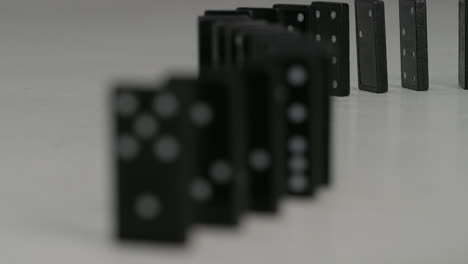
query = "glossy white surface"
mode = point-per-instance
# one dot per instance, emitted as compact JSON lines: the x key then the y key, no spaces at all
{"x":400,"y":158}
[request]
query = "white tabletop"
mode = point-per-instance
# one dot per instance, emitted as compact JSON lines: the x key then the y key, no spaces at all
{"x":400,"y":194}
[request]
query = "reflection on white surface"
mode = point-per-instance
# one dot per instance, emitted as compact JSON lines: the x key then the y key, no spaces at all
{"x":399,"y":193}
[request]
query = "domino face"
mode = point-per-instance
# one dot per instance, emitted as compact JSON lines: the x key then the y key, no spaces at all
{"x":294,"y":17}
{"x":312,"y":109}
{"x":463,"y":9}
{"x":371,"y":45}
{"x":305,"y":78}
{"x":221,"y":120}
{"x":329,"y":23}
{"x":205,"y":34}
{"x":154,"y":150}
{"x":413,"y":39}
{"x":258,"y":13}
{"x":307,"y":116}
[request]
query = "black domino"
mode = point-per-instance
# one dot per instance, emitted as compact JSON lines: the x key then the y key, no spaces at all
{"x":463,"y":11}
{"x":329,"y":23}
{"x":154,"y":160}
{"x":265,"y":104}
{"x":371,"y":45}
{"x":258,"y":45}
{"x":462,"y":76}
{"x":413,"y":39}
{"x":294,"y":17}
{"x":220,"y":117}
{"x":305,"y":77}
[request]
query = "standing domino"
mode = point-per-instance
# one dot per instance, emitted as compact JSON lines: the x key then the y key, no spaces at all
{"x":329,"y":24}
{"x":413,"y":39}
{"x":154,"y":150}
{"x":371,"y":45}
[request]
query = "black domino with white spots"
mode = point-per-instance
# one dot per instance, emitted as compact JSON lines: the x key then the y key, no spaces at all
{"x":413,"y":42}
{"x":371,"y":45}
{"x":329,"y":24}
{"x":303,"y":74}
{"x":154,"y":150}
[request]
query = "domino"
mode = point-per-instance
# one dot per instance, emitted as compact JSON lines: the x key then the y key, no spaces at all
{"x":371,"y":45}
{"x":265,"y":104}
{"x":221,"y":122}
{"x":305,"y":76}
{"x":258,"y":13}
{"x":205,"y":38}
{"x":294,"y":17}
{"x":329,"y":24}
{"x":462,"y":76}
{"x":261,"y":45}
{"x":154,"y":146}
{"x":413,"y":39}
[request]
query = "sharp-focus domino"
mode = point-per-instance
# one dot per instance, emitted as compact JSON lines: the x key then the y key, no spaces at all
{"x":462,"y":76}
{"x":221,"y":120}
{"x":294,"y":17}
{"x":205,"y":38}
{"x":413,"y":39}
{"x":329,"y":24}
{"x":259,"y":13}
{"x":223,"y":50}
{"x":371,"y":45}
{"x":154,"y":154}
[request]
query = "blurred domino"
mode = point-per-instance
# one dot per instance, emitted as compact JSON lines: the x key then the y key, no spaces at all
{"x":221,"y":123}
{"x":154,"y":150}
{"x":305,"y":77}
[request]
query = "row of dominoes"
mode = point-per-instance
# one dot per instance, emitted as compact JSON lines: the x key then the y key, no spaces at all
{"x":254,"y":124}
{"x":225,"y":36}
{"x":211,"y":147}
{"x":328,"y":24}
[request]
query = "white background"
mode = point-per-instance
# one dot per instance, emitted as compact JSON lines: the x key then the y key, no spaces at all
{"x":400,"y":193}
